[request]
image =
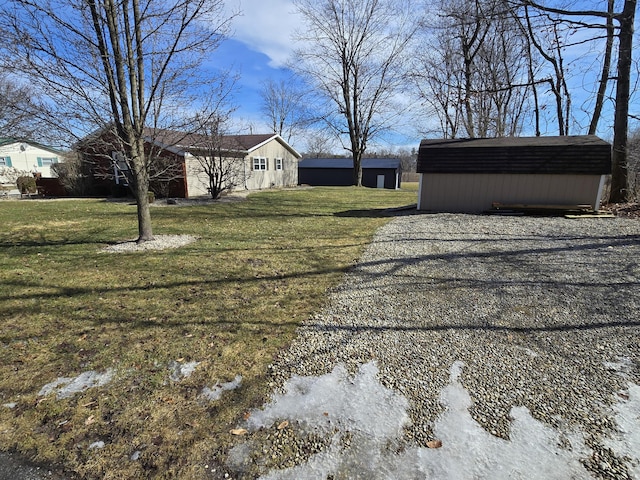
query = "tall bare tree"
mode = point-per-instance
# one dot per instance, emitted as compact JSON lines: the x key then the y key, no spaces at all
{"x":123,"y":64}
{"x":470,"y":68}
{"x":319,"y":143}
{"x":624,"y":19}
{"x":353,"y":53}
{"x":20,"y":115}
{"x":285,"y":105}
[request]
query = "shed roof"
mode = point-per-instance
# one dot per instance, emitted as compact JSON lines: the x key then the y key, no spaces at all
{"x":378,"y":163}
{"x":581,"y":154}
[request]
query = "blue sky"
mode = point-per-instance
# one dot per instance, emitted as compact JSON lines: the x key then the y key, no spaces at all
{"x":259,"y":48}
{"x":261,"y":44}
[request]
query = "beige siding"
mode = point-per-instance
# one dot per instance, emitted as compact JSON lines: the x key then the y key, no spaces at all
{"x":249,"y":179}
{"x":270,"y":178}
{"x":477,"y":192}
{"x":197,"y":180}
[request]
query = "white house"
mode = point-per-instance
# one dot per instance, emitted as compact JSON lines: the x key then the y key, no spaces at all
{"x":28,"y":157}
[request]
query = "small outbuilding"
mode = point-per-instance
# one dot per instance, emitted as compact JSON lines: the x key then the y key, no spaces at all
{"x":376,"y":172}
{"x":471,"y":175}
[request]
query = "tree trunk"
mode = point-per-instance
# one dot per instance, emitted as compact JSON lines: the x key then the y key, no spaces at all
{"x":145,"y":232}
{"x":357,"y":168}
{"x":604,"y":75}
{"x":619,"y":192}
{"x":141,"y":191}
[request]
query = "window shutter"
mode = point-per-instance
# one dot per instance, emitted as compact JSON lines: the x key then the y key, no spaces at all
{"x":7,"y":161}
{"x":39,"y":161}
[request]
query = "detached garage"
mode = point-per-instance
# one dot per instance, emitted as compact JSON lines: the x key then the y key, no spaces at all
{"x":470,"y":175}
{"x":376,"y":172}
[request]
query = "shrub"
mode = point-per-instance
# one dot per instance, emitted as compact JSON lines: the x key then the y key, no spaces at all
{"x":26,"y":184}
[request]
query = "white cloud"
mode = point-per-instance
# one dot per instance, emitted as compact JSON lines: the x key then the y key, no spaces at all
{"x":266,"y":27}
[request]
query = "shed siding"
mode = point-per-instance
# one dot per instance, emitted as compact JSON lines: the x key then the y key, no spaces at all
{"x":341,"y":177}
{"x":370,"y":177}
{"x":477,"y":192}
{"x":332,"y":177}
{"x":339,"y":172}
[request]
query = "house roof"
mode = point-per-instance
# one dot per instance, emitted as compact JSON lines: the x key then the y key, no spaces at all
{"x":378,"y":163}
{"x":11,"y":140}
{"x":582,"y":154}
{"x":180,"y":142}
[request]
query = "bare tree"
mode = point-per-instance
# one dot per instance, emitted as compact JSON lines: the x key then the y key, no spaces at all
{"x":73,"y":174}
{"x":633,"y":162}
{"x":319,"y":144}
{"x":547,"y":40}
{"x":438,"y":81}
{"x":164,"y":173}
{"x":606,"y":70}
{"x":353,"y":53}
{"x":471,"y":75}
{"x":216,"y":155}
{"x":285,"y":105}
{"x":126,"y":65}
{"x":625,"y":19}
{"x":20,"y":115}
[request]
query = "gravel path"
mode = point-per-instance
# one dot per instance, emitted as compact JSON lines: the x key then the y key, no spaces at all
{"x":543,"y":312}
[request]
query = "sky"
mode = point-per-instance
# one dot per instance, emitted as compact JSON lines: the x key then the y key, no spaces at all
{"x":259,"y":48}
{"x":261,"y":44}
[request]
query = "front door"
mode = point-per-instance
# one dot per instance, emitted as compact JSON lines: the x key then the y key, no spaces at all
{"x":380,"y":183}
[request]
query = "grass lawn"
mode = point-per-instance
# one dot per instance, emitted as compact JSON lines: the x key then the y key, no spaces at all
{"x":230,"y":301}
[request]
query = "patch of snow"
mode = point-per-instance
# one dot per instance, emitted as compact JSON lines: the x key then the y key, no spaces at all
{"x":96,"y":445}
{"x":360,"y":403}
{"x":66,"y":387}
{"x":180,"y":371}
{"x":9,"y":405}
{"x":374,"y":417}
{"x":215,"y":392}
{"x":626,"y":442}
{"x":623,"y":366}
{"x":469,"y":451}
{"x":136,"y":455}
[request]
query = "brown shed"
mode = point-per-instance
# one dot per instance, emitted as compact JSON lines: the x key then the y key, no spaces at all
{"x":470,"y":175}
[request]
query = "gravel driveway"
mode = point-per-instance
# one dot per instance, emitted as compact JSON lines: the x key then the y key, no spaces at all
{"x":535,"y":312}
{"x":464,"y":346}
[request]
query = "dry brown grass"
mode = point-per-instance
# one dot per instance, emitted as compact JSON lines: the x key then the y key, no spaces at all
{"x":231,"y":301}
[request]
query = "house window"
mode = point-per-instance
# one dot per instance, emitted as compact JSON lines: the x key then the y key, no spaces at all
{"x":46,"y":161}
{"x":260,"y":163}
{"x":5,"y":161}
{"x":278,"y":164}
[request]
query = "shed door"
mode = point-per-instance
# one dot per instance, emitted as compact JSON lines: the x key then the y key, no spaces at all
{"x":380,"y":182}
